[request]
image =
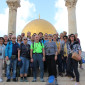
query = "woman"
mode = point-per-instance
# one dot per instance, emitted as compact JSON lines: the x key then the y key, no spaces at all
{"x":2,"y":56}
{"x":71,"y":63}
{"x":5,"y":39}
{"x":45,"y":38}
{"x":77,"y":39}
{"x":60,"y":56}
{"x":32,"y":39}
{"x":59,"y":62}
{"x":24,"y":56}
{"x":19,"y":39}
{"x":65,"y":54}
{"x":51,"y":56}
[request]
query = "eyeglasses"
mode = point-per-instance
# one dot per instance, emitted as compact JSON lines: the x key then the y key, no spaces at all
{"x":72,"y":36}
{"x":64,"y":38}
{"x":25,"y":39}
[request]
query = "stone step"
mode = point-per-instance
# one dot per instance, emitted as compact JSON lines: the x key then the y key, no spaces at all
{"x":45,"y":78}
{"x":61,"y":81}
{"x":38,"y":83}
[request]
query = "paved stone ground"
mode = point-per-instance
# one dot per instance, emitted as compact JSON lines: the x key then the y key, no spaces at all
{"x":61,"y":80}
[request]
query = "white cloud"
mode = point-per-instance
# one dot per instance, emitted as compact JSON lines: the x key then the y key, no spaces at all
{"x":25,"y":12}
{"x":4,"y":23}
{"x":61,"y":18}
{"x":80,"y":14}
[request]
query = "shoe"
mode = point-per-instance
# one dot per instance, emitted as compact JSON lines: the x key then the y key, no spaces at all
{"x":14,"y":79}
{"x":42,"y":80}
{"x":8,"y":80}
{"x":81,"y":68}
{"x":1,"y":80}
{"x":34,"y":80}
{"x":77,"y":83}
{"x":56,"y":83}
{"x":21,"y":80}
{"x":73,"y":79}
{"x":25,"y":80}
{"x":66,"y":75}
{"x":61,"y":74}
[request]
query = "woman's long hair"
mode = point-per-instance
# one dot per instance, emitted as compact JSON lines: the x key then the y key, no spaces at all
{"x":20,"y":37}
{"x":70,"y":37}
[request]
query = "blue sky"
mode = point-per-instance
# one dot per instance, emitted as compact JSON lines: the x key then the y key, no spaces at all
{"x":3,"y":5}
{"x":53,"y":11}
{"x":46,"y":9}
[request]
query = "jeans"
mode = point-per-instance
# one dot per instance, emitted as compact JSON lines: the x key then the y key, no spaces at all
{"x":72,"y":65}
{"x":1,"y":65}
{"x":38,"y":59}
{"x":13,"y":64}
{"x":25,"y":66}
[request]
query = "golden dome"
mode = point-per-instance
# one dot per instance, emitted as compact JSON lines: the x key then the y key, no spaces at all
{"x":39,"y":25}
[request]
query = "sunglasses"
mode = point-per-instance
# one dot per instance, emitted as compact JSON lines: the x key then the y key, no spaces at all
{"x":13,"y":38}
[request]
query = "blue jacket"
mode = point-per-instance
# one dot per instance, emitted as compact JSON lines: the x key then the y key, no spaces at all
{"x":8,"y":50}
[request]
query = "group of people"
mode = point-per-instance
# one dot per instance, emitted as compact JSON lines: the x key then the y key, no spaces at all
{"x":48,"y":53}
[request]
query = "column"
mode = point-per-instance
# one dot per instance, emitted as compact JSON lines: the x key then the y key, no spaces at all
{"x":13,"y":5}
{"x":71,"y":7}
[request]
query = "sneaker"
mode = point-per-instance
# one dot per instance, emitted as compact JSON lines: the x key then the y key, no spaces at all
{"x":81,"y":68}
{"x":8,"y":80}
{"x":25,"y":80}
{"x":66,"y":75}
{"x":14,"y":79}
{"x":34,"y":80}
{"x":72,"y":79}
{"x":77,"y":84}
{"x":60,"y":74}
{"x":42,"y":80}
{"x":56,"y":83}
{"x":21,"y":80}
{"x":1,"y":80}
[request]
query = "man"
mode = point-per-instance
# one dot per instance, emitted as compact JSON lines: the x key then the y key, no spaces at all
{"x":29,"y":38}
{"x":37,"y":55}
{"x":10,"y":35}
{"x":5,"y":40}
{"x":11,"y":58}
{"x":64,"y":33}
{"x":41,"y":37}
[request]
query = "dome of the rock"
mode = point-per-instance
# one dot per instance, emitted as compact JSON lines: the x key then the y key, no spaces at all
{"x":39,"y":25}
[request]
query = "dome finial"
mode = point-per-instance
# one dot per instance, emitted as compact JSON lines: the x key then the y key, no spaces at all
{"x":39,"y":16}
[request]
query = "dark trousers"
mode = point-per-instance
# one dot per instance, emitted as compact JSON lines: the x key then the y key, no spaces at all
{"x":59,"y":60}
{"x":72,"y":64}
{"x":51,"y":65}
{"x":64,"y":64}
{"x":45,"y":66}
{"x":80,"y":62}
